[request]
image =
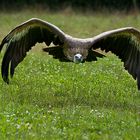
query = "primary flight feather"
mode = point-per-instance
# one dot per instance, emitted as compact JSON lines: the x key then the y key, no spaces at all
{"x":123,"y":42}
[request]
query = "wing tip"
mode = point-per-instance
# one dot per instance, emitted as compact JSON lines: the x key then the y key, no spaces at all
{"x":5,"y":79}
{"x":138,"y":80}
{"x":138,"y":85}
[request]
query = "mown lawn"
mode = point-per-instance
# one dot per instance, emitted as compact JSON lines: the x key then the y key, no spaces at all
{"x":48,"y":99}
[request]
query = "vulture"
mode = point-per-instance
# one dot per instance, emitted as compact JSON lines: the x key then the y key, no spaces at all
{"x":123,"y":42}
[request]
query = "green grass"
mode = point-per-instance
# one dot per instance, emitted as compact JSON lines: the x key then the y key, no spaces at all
{"x":48,"y":99}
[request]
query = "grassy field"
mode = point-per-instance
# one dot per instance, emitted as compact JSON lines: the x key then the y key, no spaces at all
{"x":48,"y":99}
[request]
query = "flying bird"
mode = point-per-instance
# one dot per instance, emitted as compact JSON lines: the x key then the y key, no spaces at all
{"x":123,"y":42}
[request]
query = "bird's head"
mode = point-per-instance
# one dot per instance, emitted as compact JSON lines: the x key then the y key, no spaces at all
{"x":75,"y":54}
{"x":78,"y":58}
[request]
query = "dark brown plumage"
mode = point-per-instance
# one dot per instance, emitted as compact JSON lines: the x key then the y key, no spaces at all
{"x":123,"y":42}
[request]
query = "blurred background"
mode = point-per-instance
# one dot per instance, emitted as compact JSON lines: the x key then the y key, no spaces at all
{"x":123,"y":5}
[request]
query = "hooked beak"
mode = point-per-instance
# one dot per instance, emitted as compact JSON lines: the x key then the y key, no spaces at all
{"x":78,"y":58}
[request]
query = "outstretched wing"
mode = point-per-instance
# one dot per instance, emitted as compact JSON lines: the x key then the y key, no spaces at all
{"x":125,"y":43}
{"x":23,"y":37}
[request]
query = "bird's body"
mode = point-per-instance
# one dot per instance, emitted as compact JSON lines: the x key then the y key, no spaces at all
{"x":123,"y":42}
{"x":74,"y":46}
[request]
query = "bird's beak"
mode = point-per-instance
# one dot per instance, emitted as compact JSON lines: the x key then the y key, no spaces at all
{"x":78,"y":58}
